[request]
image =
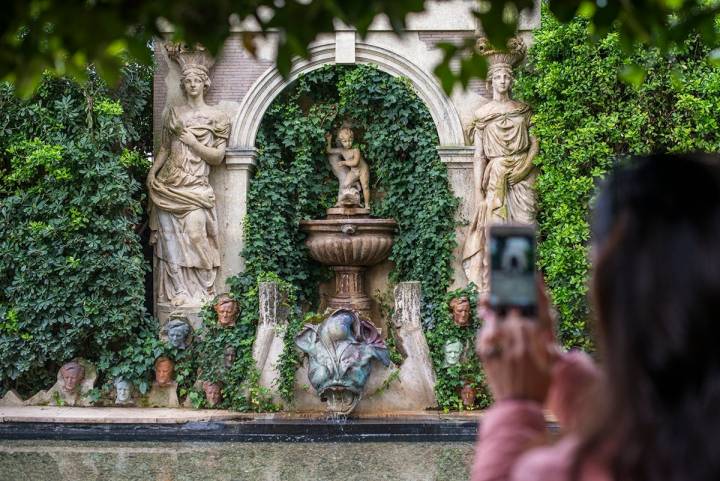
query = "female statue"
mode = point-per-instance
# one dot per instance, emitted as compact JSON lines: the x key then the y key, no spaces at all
{"x":182,"y":216}
{"x":504,"y":174}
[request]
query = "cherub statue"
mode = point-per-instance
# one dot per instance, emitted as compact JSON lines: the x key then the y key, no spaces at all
{"x":350,"y":168}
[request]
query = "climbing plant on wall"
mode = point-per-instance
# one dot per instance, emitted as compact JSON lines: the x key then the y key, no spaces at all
{"x":397,"y":137}
{"x":585,"y":116}
{"x":71,"y":263}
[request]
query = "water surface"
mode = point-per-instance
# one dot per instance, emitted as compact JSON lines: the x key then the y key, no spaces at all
{"x":156,"y":461}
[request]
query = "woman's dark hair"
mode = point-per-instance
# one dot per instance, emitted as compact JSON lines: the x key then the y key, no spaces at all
{"x":656,"y":292}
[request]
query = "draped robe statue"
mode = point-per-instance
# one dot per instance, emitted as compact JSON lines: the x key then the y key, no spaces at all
{"x":183,"y":218}
{"x":504,"y":174}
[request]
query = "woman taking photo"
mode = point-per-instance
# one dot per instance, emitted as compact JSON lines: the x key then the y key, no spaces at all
{"x":652,"y":410}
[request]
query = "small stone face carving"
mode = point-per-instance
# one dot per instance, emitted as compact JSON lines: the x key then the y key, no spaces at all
{"x":123,"y":391}
{"x":453,"y":352}
{"x":178,"y":332}
{"x":229,"y":357}
{"x":350,"y":168}
{"x":504,"y":174}
{"x":72,"y":374}
{"x":183,"y":218}
{"x":460,"y":307}
{"x":213,"y":393}
{"x":468,"y":395}
{"x":164,"y":371}
{"x":227,"y":310}
{"x":339,"y":352}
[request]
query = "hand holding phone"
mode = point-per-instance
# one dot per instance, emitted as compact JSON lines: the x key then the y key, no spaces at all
{"x":513,"y":277}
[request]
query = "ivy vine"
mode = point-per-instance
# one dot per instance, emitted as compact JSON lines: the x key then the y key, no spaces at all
{"x":409,"y":182}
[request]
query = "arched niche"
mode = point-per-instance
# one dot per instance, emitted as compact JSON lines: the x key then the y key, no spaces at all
{"x":269,"y":85}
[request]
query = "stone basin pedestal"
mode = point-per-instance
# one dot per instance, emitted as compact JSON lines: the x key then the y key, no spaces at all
{"x":349,"y":241}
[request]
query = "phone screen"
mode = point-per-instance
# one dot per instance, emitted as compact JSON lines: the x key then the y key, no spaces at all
{"x":512,"y":268}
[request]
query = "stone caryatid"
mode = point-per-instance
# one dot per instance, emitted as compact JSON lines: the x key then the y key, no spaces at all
{"x":504,"y":174}
{"x":351,"y":170}
{"x":339,"y":351}
{"x":183,"y":218}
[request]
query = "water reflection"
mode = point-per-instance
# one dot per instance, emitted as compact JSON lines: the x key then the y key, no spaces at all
{"x":96,"y":461}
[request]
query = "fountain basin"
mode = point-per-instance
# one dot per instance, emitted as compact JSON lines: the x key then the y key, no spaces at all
{"x":349,"y":244}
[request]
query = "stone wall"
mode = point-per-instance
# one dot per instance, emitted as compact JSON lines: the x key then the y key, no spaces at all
{"x":245,"y":86}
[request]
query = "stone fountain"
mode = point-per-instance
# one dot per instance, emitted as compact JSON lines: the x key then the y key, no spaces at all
{"x":341,"y":348}
{"x":348,"y":239}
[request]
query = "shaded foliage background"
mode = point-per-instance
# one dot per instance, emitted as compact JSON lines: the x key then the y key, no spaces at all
{"x":71,"y":264}
{"x":586,"y":117}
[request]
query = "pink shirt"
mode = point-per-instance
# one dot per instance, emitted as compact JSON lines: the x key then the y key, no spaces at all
{"x":513,"y":443}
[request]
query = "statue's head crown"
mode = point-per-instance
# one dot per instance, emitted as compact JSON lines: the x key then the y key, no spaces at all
{"x":509,"y":57}
{"x":191,"y":60}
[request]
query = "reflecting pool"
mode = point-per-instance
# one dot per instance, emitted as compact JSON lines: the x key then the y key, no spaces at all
{"x":108,"y":461}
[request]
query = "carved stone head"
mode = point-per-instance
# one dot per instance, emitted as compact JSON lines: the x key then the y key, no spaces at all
{"x":164,"y":371}
{"x":453,"y":350}
{"x":213,"y":392}
{"x":229,"y":357}
{"x":195,"y":64}
{"x":468,"y":395}
{"x":178,"y":332}
{"x":123,"y":390}
{"x":460,"y":307}
{"x":345,"y":137}
{"x":227,"y":310}
{"x":72,"y":374}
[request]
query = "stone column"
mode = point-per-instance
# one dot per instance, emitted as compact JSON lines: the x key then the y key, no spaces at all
{"x":417,"y":372}
{"x":270,"y":336}
{"x":459,"y":162}
{"x":231,"y":181}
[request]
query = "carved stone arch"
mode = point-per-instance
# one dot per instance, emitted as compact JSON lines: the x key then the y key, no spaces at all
{"x":269,"y":85}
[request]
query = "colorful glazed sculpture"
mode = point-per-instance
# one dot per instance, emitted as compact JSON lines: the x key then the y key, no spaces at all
{"x":178,"y":332}
{"x":213,"y":393}
{"x":123,"y":391}
{"x":504,"y":174}
{"x":164,"y":390}
{"x":227,"y":310}
{"x":468,"y":395}
{"x":164,"y":371}
{"x":350,"y":168}
{"x":453,"y":350}
{"x":460,"y":308}
{"x":183,"y":218}
{"x":339,"y":351}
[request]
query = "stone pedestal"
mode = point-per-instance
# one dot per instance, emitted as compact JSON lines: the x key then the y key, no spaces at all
{"x":163,"y":396}
{"x":191,"y":313}
{"x":350,"y":290}
{"x":269,"y":339}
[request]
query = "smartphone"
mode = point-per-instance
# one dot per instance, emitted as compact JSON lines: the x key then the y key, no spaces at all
{"x":512,"y":268}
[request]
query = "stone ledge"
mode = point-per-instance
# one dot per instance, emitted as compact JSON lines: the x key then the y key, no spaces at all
{"x":113,"y":415}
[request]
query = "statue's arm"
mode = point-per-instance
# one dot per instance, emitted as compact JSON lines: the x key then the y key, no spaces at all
{"x":211,"y":155}
{"x":158,"y":162}
{"x":479,"y":164}
{"x":354,"y":160}
{"x":527,"y":165}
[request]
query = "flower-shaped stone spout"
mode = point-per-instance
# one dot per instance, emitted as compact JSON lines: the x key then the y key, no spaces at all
{"x":339,"y":351}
